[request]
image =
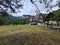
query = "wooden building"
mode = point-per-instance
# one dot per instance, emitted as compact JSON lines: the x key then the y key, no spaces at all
{"x":40,"y":18}
{"x":49,"y":17}
{"x":34,"y":20}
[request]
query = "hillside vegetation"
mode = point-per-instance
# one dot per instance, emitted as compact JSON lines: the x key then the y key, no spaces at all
{"x":28,"y":35}
{"x":57,"y":15}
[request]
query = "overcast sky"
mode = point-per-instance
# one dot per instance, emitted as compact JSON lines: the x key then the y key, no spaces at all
{"x":29,"y":8}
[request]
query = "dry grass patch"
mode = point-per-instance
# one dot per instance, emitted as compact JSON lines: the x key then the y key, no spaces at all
{"x":28,"y":35}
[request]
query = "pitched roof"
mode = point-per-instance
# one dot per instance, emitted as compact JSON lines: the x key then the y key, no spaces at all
{"x":49,"y":16}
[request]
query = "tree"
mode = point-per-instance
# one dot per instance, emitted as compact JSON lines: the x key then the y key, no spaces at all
{"x":59,"y":3}
{"x":57,"y":16}
{"x":47,"y":4}
{"x":9,"y":5}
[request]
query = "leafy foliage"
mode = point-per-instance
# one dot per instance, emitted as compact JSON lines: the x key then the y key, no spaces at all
{"x":57,"y":16}
{"x":10,"y":5}
{"x":59,"y":4}
{"x":46,"y":3}
{"x":5,"y":20}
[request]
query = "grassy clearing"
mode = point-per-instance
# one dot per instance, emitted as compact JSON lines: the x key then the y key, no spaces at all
{"x":28,"y":35}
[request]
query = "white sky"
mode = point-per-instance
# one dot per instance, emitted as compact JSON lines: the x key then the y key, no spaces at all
{"x":29,"y":8}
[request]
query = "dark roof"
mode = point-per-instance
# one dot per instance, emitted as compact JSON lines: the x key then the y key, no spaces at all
{"x":49,"y":16}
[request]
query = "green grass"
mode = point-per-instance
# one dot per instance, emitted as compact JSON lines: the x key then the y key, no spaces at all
{"x":28,"y":35}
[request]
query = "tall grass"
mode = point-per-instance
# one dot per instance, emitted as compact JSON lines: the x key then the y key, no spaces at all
{"x":28,"y":35}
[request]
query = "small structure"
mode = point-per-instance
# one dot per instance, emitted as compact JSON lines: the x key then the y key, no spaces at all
{"x":37,"y":19}
{"x":40,"y":18}
{"x":33,"y":20}
{"x":48,"y":20}
{"x":58,"y":23}
{"x":49,"y":17}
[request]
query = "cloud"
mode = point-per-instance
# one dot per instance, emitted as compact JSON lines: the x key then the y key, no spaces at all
{"x":29,"y":8}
